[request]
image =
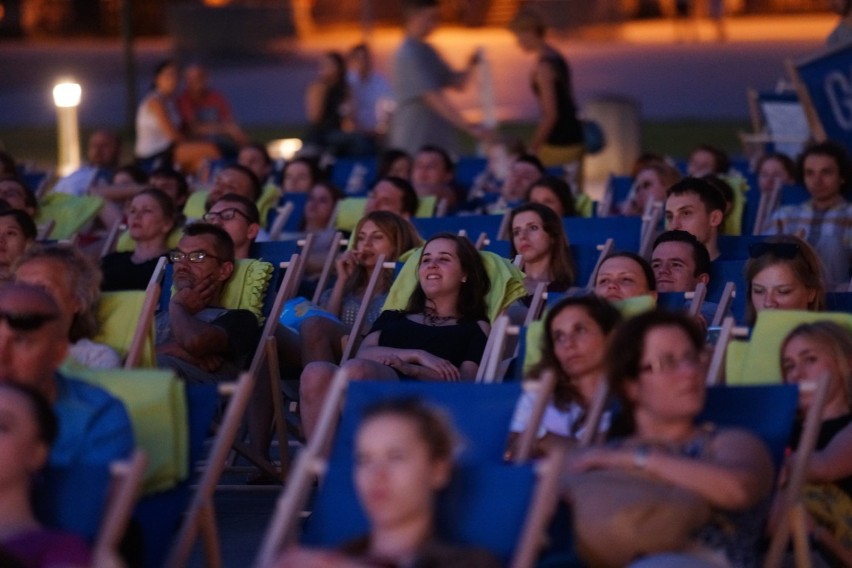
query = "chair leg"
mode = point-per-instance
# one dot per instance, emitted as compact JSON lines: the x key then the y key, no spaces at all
{"x":278,"y":407}
{"x":210,"y":536}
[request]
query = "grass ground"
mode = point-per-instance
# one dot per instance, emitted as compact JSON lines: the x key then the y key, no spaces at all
{"x":675,"y":138}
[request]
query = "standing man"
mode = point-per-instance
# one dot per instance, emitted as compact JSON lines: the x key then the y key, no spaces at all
{"x":424,"y":114}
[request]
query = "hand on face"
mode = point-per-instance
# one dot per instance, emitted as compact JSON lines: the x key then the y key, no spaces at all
{"x":196,"y":296}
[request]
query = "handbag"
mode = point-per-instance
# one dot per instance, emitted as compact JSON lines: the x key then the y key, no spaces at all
{"x":621,"y":515}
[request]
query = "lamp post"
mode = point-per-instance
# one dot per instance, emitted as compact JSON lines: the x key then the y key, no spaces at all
{"x":66,"y":97}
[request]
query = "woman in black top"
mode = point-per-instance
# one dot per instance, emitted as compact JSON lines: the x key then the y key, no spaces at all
{"x":439,"y":337}
{"x":150,"y":218}
{"x":558,"y":138}
{"x":327,"y":101}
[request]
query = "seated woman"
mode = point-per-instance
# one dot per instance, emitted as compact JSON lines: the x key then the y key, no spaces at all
{"x":655,"y":368}
{"x":159,"y":140}
{"x":440,"y":336}
{"x":539,"y":237}
{"x":150,"y":218}
{"x":299,"y":175}
{"x":555,"y":193}
{"x":624,"y":275}
{"x":783,"y":273}
{"x":17,"y":233}
{"x":74,"y":282}
{"x":775,"y":171}
{"x":29,"y":427}
{"x":319,"y":208}
{"x":809,"y":352}
{"x":378,"y":233}
{"x":651,"y":182}
{"x":403,"y":457}
{"x":573,"y":347}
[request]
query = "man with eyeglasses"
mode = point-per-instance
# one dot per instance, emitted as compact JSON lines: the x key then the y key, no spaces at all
{"x":199,"y":339}
{"x":239,"y":218}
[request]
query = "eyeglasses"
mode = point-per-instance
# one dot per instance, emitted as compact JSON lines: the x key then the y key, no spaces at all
{"x":195,"y":256}
{"x":781,"y":250}
{"x":671,"y":363}
{"x":224,"y":215}
{"x":26,"y":321}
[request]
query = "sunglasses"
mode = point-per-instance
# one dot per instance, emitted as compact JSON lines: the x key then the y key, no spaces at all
{"x":786,"y":251}
{"x":26,"y":321}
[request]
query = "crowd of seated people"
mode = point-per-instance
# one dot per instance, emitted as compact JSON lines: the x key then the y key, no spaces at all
{"x":589,"y":337}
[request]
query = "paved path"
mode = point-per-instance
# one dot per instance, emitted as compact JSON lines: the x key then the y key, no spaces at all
{"x":671,"y":80}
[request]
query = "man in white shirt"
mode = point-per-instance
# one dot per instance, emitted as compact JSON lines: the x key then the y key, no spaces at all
{"x":102,"y":155}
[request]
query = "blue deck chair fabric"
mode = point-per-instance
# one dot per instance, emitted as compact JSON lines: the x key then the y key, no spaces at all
{"x":295,"y":219}
{"x":468,"y":168}
{"x":624,"y":230}
{"x":342,"y":170}
{"x":159,"y":514}
{"x":750,"y":206}
{"x":72,"y":499}
{"x":472,"y":224}
{"x":766,"y":410}
{"x":838,"y":302}
{"x":481,"y":415}
{"x":735,"y":247}
{"x":619,"y":187}
{"x":722,"y":272}
{"x":585,"y":259}
{"x":499,"y":247}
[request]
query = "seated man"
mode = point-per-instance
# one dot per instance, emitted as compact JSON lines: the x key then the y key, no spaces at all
{"x":239,"y":218}
{"x":824,"y":221}
{"x":234,"y":179}
{"x":102,"y":154}
{"x":432,"y":175}
{"x":680,"y":262}
{"x":695,"y":206}
{"x":523,"y":173}
{"x":93,"y":426}
{"x":395,"y":195}
{"x":199,"y":339}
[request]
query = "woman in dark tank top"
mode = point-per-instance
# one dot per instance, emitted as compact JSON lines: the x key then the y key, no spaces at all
{"x":558,"y":137}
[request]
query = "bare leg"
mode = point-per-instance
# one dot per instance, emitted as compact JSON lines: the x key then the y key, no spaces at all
{"x":313,"y":387}
{"x":321,"y":340}
{"x":289,"y":348}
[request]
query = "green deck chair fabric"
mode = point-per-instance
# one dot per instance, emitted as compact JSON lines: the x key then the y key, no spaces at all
{"x":194,"y":208}
{"x":758,"y":361}
{"x":585,"y":206}
{"x":732,"y":225}
{"x":246,"y":290}
{"x":69,"y":213}
{"x":156,"y":402}
{"x":351,"y":209}
{"x":118,"y":313}
{"x":127,"y":244}
{"x":507,"y":283}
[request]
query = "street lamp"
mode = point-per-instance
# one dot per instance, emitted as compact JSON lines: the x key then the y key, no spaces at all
{"x":66,"y":97}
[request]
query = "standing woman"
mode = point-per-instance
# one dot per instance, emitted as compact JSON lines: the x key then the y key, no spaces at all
{"x":159,"y":140}
{"x":326,"y":102}
{"x":558,"y":138}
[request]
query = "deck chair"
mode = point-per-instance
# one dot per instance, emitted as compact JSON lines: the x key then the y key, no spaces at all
{"x":127,"y":484}
{"x":201,"y":516}
{"x":618,"y":189}
{"x":625,"y":231}
{"x":126,"y":321}
{"x":650,"y":221}
{"x":85,"y":499}
{"x":839,"y":302}
{"x":735,"y":247}
{"x":791,"y":514}
{"x":473,"y":225}
{"x":69,"y":213}
{"x":465,"y":402}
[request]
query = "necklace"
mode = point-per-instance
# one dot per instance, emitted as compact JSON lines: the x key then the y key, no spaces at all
{"x":431,"y":318}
